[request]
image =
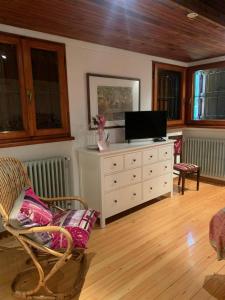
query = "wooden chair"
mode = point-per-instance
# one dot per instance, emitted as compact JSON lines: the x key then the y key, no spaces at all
{"x":13,"y":178}
{"x":184,"y":169}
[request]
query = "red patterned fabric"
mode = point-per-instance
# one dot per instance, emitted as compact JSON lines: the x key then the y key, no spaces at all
{"x":217,"y":233}
{"x":185,"y":167}
{"x":178,"y":147}
{"x":29,"y":210}
{"x":79,"y":223}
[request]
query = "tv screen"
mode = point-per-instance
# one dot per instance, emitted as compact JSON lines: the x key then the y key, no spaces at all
{"x":145,"y":124}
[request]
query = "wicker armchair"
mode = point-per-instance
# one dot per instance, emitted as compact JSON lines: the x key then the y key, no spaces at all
{"x":13,"y":178}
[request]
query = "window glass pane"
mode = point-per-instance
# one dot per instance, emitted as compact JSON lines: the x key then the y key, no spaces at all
{"x":209,"y":94}
{"x":46,"y":88}
{"x":10,"y":104}
{"x":169,"y":91}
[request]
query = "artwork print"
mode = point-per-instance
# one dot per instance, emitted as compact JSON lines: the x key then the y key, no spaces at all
{"x":111,"y":96}
{"x":113,"y":101}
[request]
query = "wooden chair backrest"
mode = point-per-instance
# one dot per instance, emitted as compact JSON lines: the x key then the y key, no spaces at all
{"x":178,"y":149}
{"x":13,"y":178}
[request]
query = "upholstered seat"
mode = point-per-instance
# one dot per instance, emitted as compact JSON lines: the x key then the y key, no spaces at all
{"x":185,"y":167}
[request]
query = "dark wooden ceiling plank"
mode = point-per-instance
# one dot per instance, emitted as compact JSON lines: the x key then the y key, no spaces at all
{"x":212,"y":10}
{"x":152,"y":27}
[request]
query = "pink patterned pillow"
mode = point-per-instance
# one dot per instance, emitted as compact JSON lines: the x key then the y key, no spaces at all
{"x":78,"y":222}
{"x":29,"y":211}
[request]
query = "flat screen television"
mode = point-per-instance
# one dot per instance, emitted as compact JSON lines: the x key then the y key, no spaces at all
{"x":145,"y":124}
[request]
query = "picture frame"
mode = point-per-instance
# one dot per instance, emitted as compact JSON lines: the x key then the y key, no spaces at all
{"x":111,"y":96}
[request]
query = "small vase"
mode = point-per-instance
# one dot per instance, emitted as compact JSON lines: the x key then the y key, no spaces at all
{"x":101,"y":134}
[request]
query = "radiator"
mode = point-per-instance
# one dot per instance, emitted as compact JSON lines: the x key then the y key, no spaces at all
{"x":50,"y":177}
{"x":208,"y":153}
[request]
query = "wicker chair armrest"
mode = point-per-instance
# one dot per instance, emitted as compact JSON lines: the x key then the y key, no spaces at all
{"x":73,"y":198}
{"x":50,"y":228}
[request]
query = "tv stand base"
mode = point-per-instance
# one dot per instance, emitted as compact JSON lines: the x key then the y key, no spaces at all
{"x":159,"y":140}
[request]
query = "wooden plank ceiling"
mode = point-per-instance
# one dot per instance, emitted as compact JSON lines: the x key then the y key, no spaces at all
{"x":154,"y":27}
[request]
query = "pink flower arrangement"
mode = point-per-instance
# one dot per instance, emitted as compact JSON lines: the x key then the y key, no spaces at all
{"x":99,"y":121}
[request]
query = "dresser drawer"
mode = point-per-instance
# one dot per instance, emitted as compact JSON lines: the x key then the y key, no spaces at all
{"x":165,"y":167}
{"x":150,"y":171}
{"x":131,"y":176}
{"x":122,"y":199}
{"x":133,"y":195}
{"x":150,"y":189}
{"x":150,"y":156}
{"x":113,"y":164}
{"x":165,"y":153}
{"x":118,"y":180}
{"x":164,"y":183}
{"x":132,"y":160}
{"x":114,"y":181}
{"x":157,"y":186}
{"x":112,"y":203}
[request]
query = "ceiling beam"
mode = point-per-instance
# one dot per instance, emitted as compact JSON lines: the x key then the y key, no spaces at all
{"x":213,"y":11}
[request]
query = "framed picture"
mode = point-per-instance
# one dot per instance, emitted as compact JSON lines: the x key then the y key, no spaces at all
{"x":111,"y":96}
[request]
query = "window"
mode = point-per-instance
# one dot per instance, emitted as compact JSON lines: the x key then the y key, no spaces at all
{"x":33,"y":91}
{"x":207,"y":95}
{"x":169,"y":91}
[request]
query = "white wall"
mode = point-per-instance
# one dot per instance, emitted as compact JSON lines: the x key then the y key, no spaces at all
{"x":81,"y":58}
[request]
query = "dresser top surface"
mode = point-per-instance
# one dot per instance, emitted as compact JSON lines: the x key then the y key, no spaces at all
{"x":123,"y":147}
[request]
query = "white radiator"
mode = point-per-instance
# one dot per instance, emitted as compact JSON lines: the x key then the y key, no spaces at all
{"x":50,"y":177}
{"x":208,"y":153}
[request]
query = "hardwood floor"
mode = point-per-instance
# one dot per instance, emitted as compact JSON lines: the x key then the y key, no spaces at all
{"x":158,"y":252}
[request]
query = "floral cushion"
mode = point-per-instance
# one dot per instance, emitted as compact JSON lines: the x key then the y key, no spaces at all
{"x":185,"y":167}
{"x":29,"y":211}
{"x":78,"y":222}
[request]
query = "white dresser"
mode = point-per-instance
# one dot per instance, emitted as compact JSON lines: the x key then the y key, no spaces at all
{"x":125,"y":175}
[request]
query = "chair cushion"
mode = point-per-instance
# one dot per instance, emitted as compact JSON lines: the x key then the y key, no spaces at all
{"x":78,"y":222}
{"x":29,"y":211}
{"x":185,"y":167}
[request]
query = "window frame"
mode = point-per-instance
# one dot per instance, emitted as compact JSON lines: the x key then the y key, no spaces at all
{"x":5,"y":135}
{"x":213,"y":123}
{"x":28,"y":44}
{"x":158,"y":65}
{"x":30,"y":134}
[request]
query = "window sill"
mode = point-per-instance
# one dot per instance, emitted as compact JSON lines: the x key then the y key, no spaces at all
{"x":32,"y":141}
{"x":208,"y":124}
{"x":177,"y":125}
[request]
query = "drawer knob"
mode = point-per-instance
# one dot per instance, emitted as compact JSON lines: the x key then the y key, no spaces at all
{"x":165,"y":182}
{"x":165,"y":167}
{"x":150,"y":188}
{"x":134,"y":194}
{"x":134,"y":160}
{"x":134,"y":175}
{"x":150,"y":171}
{"x":150,"y":156}
{"x":114,"y":164}
{"x":115,"y":201}
{"x":115,"y":181}
{"x":166,"y":152}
